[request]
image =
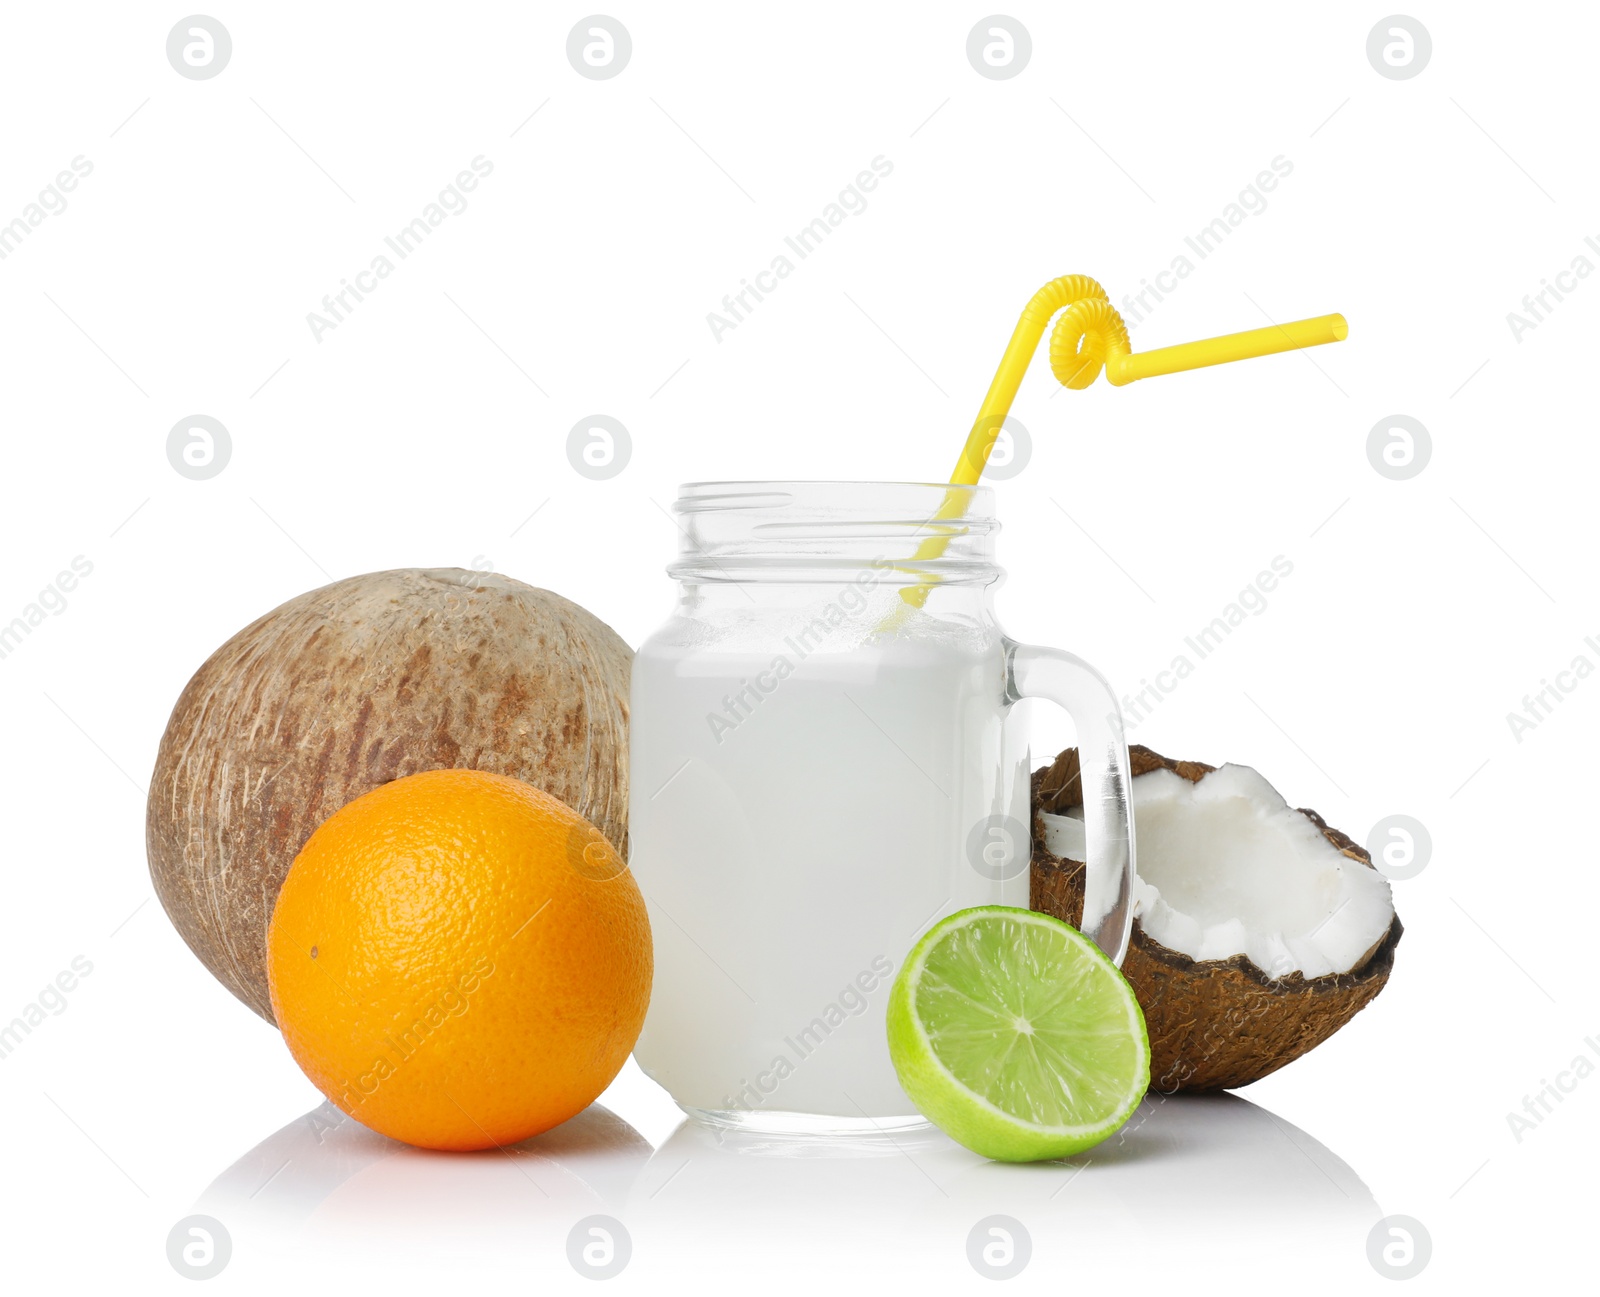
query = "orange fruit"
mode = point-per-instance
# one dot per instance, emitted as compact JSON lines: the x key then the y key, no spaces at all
{"x":459,"y":960}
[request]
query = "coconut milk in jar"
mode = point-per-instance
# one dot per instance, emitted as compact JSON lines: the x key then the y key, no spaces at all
{"x":819,"y":771}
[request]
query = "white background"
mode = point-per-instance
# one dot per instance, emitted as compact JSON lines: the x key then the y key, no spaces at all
{"x":432,"y":422}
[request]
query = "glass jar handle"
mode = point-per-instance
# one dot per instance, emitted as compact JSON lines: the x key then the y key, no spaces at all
{"x":1071,"y":683}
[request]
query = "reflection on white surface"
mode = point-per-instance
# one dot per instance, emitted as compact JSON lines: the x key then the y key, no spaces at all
{"x":325,"y":1170}
{"x":1200,"y":1174}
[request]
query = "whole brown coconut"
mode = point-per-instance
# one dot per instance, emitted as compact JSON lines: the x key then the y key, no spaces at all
{"x":354,"y":685}
{"x":1214,"y":1024}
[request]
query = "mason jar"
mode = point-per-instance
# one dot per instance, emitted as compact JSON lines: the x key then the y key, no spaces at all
{"x":826,"y":758}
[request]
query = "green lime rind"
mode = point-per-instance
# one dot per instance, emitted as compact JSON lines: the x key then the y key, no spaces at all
{"x":1015,"y":1035}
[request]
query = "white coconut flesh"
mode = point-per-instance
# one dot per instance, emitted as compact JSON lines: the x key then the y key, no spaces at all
{"x":1227,"y":867}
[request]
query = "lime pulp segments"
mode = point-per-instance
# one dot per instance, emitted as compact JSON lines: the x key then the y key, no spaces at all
{"x":1015,"y":1035}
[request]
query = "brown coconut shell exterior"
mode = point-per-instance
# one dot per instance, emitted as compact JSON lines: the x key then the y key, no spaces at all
{"x":1214,"y":1024}
{"x":348,"y":687}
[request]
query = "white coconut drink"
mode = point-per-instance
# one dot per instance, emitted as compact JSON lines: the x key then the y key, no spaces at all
{"x":1259,"y":931}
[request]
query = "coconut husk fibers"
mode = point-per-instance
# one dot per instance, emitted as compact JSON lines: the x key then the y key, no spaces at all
{"x":1214,"y":1024}
{"x":356,"y":684}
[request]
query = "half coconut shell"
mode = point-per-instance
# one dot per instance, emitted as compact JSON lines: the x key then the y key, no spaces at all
{"x":1214,"y":1024}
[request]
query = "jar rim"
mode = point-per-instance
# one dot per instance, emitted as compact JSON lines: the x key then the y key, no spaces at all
{"x":980,"y":495}
{"x":742,"y":530}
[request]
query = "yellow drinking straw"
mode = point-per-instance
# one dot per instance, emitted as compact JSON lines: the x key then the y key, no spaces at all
{"x":1090,"y":336}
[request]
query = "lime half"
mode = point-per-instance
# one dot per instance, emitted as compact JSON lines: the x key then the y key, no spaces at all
{"x":1016,"y":1036}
